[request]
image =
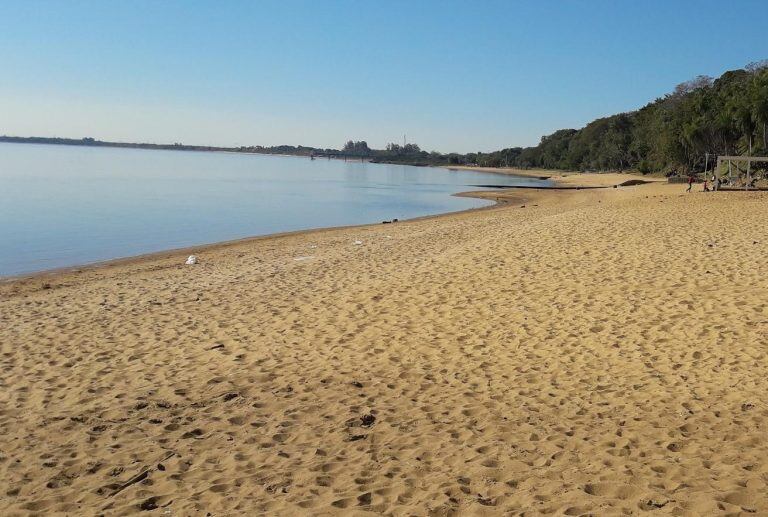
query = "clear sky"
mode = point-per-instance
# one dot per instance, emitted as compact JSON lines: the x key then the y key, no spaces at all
{"x":452,"y":75}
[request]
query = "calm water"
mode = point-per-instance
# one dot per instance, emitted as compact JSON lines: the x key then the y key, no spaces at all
{"x":63,"y":206}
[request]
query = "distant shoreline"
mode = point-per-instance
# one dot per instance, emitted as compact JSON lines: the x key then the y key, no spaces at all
{"x":374,"y":155}
{"x":278,"y":150}
{"x":90,"y":142}
{"x":299,"y":151}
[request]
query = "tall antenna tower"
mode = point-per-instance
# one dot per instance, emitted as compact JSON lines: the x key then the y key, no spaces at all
{"x":403,"y":139}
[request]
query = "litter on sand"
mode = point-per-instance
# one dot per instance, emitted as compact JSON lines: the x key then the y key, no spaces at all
{"x":192,"y":259}
{"x":357,"y":243}
{"x":313,"y":246}
{"x":297,"y":259}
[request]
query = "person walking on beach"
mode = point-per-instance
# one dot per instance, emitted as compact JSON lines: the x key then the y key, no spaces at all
{"x":690,"y":183}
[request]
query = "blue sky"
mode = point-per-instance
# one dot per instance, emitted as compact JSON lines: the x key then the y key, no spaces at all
{"x":452,"y":75}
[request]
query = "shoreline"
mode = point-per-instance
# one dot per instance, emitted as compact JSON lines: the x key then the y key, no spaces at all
{"x":561,"y":180}
{"x":568,"y":178}
{"x":497,"y":202}
{"x":492,"y":196}
{"x":498,"y":197}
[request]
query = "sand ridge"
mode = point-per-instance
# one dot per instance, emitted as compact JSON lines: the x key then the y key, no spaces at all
{"x":595,"y":352}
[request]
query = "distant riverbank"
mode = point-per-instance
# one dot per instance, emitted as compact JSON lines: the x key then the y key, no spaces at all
{"x":409,"y":154}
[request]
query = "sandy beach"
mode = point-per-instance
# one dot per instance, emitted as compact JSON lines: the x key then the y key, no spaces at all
{"x":572,"y":352}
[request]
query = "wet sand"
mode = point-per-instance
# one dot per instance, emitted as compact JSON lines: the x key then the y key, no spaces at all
{"x":569,"y":352}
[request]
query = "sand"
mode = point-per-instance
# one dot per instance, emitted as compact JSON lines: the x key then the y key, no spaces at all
{"x":568,"y":179}
{"x":596,"y":352}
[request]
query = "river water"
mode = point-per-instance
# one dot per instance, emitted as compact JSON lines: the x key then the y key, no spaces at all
{"x":65,"y":205}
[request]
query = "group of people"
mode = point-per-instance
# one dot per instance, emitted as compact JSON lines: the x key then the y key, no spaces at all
{"x":715,"y":183}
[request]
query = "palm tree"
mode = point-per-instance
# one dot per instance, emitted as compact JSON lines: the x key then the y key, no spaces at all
{"x":758,"y":94}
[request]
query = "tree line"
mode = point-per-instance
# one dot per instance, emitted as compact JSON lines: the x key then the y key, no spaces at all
{"x":723,"y":116}
{"x":674,"y":133}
